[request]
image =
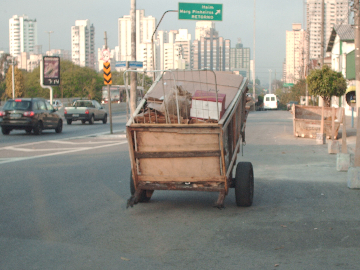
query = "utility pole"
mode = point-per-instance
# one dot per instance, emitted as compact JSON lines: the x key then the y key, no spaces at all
{"x":357,"y":78}
{"x":307,"y":66}
{"x":353,"y":176}
{"x":253,"y":72}
{"x":133,"y":76}
{"x":322,"y":33}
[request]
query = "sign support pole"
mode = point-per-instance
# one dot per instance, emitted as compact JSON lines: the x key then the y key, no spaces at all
{"x":42,"y":79}
{"x":109,"y":95}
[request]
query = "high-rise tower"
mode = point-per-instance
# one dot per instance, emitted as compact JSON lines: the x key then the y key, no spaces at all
{"x":22,"y":35}
{"x":83,"y":44}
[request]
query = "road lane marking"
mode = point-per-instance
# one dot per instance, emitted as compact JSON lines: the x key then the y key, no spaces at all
{"x":10,"y":160}
{"x":35,"y":150}
{"x":102,"y":134}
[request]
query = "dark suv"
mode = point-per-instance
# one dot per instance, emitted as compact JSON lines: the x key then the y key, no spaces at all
{"x":29,"y":114}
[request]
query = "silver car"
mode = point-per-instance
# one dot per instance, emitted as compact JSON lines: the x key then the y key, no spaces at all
{"x":56,"y":104}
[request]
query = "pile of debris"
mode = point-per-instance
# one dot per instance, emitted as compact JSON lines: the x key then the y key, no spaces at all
{"x":166,"y":111}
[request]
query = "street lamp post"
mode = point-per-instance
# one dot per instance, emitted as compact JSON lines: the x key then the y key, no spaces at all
{"x":270,"y":82}
{"x":49,"y":32}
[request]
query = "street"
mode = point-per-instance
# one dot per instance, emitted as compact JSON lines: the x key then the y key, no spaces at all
{"x":63,"y":206}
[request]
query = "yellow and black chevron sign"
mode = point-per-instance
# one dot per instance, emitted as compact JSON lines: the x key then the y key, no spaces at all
{"x":107,"y":73}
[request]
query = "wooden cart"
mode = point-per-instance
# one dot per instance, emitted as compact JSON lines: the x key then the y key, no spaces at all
{"x":170,"y":152}
{"x":307,"y":120}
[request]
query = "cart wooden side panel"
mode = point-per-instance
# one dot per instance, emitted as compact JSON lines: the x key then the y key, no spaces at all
{"x":177,"y":155}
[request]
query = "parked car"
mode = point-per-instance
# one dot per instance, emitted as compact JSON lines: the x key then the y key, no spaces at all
{"x":85,"y":110}
{"x":289,"y":105}
{"x":56,"y":104}
{"x":29,"y":114}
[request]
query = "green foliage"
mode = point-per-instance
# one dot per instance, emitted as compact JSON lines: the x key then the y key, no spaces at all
{"x":19,"y":83}
{"x":326,"y":83}
{"x":75,"y":81}
{"x":4,"y":65}
{"x":286,"y":95}
{"x":32,"y":85}
{"x":117,"y":77}
{"x":2,"y":88}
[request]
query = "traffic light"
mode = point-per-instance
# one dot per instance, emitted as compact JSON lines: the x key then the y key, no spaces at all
{"x":350,"y":96}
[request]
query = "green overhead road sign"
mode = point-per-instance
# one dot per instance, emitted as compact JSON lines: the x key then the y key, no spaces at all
{"x":288,"y":85}
{"x":200,"y":11}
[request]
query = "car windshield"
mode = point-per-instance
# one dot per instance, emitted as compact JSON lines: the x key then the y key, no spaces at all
{"x":80,"y":103}
{"x":17,"y":105}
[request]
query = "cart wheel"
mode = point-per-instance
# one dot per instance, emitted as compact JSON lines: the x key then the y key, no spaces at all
{"x":244,"y":184}
{"x":144,"y":196}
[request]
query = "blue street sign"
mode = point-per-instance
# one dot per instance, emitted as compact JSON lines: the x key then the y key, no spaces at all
{"x":132,"y":64}
{"x":120,"y":64}
{"x":135,"y":64}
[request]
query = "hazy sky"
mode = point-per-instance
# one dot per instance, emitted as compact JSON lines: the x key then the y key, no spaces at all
{"x":273,"y":18}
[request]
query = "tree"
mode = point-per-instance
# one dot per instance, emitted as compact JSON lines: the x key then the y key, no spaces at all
{"x":19,"y":83}
{"x":4,"y":65}
{"x":293,"y":94}
{"x":326,"y":83}
{"x":32,"y":85}
{"x":76,"y":81}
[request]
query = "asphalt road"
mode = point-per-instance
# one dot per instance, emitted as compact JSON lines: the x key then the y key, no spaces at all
{"x":76,"y":129}
{"x":67,"y":209}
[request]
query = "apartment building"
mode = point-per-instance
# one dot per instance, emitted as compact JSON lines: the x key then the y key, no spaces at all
{"x":145,"y":27}
{"x":295,"y":53}
{"x":83,"y":44}
{"x":210,"y":51}
{"x":202,"y":29}
{"x":22,"y":35}
{"x":240,"y":59}
{"x":63,"y":54}
{"x":335,"y":12}
{"x":174,"y":49}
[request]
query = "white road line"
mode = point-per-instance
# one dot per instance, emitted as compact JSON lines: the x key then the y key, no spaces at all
{"x":37,"y":150}
{"x":65,"y":139}
{"x":59,"y":153}
{"x":79,"y":143}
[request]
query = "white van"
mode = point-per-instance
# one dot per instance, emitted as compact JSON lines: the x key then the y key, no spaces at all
{"x":270,"y":102}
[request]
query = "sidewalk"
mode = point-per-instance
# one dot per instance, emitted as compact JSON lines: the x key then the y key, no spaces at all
{"x":350,"y":134}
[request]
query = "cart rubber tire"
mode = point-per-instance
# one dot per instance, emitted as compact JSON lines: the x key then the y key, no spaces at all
{"x":244,"y":184}
{"x":143,"y":197}
{"x":68,"y":121}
